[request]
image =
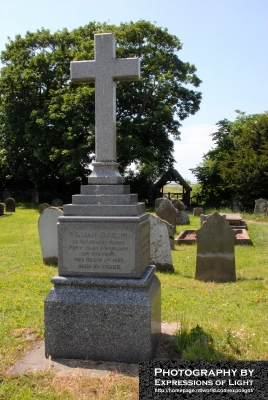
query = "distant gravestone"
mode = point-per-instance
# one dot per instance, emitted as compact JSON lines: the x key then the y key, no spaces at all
{"x":48,"y":235}
{"x":160,"y":252}
{"x":2,"y":209}
{"x":56,"y":203}
{"x":43,"y":207}
{"x":182,"y":218}
{"x":203,"y":218}
{"x":197,"y":211}
{"x":158,"y":202}
{"x":10,"y":205}
{"x":167,"y":212}
{"x":215,"y":260}
{"x":261,"y":207}
{"x":179,"y":205}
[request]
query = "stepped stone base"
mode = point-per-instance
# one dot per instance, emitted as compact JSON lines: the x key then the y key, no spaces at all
{"x":103,"y":319}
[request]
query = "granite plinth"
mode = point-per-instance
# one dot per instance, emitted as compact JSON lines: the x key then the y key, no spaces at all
{"x":103,"y":319}
{"x":119,"y":199}
{"x":104,"y":189}
{"x":103,"y":246}
{"x":88,"y":209}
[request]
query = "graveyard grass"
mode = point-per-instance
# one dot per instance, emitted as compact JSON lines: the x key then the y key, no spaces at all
{"x":219,"y":321}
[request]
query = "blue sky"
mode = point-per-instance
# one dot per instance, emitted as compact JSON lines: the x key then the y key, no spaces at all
{"x":227,"y":40}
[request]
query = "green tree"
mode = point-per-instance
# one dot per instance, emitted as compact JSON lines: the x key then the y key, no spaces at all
{"x":238,"y":166}
{"x":214,"y":191}
{"x":245,"y":168}
{"x":47,"y":122}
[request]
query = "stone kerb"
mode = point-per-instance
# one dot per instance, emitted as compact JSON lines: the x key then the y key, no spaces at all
{"x":215,"y":260}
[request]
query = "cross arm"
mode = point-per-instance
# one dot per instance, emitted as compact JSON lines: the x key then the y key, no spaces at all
{"x":83,"y":71}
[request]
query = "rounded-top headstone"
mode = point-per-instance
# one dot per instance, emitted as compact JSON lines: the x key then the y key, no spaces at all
{"x":10,"y":205}
{"x":48,"y":234}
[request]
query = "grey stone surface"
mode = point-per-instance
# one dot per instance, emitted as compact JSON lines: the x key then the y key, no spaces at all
{"x":104,"y":189}
{"x":197,"y":211}
{"x":47,"y":228}
{"x":261,"y":206}
{"x":182,"y":218}
{"x":179,"y":205}
{"x":160,"y":253}
{"x":43,"y":207}
{"x":56,"y":203}
{"x":104,"y":246}
{"x":158,"y":202}
{"x":170,"y":234}
{"x":167,"y":212}
{"x":105,"y":70}
{"x":10,"y":204}
{"x":215,"y":260}
{"x":105,"y":304}
{"x":100,"y":210}
{"x":35,"y":360}
{"x":109,"y":320}
{"x":114,"y":199}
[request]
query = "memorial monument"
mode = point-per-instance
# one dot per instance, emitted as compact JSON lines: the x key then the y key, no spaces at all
{"x":105,"y":304}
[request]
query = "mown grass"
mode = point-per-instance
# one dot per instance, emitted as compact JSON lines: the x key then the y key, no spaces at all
{"x":226,"y":321}
{"x":231,"y":318}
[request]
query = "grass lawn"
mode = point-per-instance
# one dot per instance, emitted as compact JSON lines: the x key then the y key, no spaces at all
{"x":226,"y":321}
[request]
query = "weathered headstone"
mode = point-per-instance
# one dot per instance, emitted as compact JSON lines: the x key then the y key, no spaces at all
{"x":167,"y":212}
{"x":197,"y":211}
{"x":48,"y":235}
{"x":158,"y":202}
{"x":261,"y":207}
{"x":183,"y":218}
{"x":179,"y":205}
{"x":10,"y":205}
{"x":215,"y":260}
{"x":2,"y":209}
{"x":160,"y":253}
{"x":43,"y":207}
{"x":105,"y":304}
{"x":170,"y":234}
{"x":56,"y":203}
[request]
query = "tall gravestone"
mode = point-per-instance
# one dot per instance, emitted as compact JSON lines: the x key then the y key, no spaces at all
{"x":215,"y":259}
{"x":105,"y":304}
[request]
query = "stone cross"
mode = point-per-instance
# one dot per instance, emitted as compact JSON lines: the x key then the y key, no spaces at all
{"x":105,"y":70}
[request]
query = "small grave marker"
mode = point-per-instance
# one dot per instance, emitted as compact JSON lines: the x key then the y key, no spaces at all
{"x":10,"y":205}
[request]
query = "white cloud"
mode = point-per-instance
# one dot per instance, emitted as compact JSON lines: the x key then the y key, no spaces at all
{"x":188,"y":152}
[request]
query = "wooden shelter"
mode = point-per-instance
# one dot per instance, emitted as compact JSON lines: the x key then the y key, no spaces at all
{"x":171,"y":175}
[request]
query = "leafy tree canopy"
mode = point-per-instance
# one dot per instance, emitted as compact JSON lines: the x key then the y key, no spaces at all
{"x":238,"y":166}
{"x":47,"y":122}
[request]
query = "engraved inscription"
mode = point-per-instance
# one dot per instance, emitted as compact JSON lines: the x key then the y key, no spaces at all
{"x":98,"y":250}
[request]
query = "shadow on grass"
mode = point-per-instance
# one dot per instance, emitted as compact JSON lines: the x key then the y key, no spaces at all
{"x":196,"y":344}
